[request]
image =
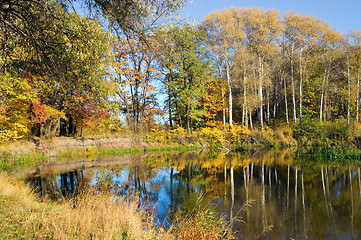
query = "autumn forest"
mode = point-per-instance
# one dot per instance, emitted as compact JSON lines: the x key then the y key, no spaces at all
{"x":128,"y":66}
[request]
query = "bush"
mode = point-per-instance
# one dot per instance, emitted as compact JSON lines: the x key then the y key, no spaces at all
{"x":325,"y":134}
{"x":310,"y":133}
{"x":211,"y":135}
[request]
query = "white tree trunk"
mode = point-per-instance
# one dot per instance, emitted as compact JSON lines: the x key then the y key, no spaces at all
{"x":358,"y":94}
{"x":286,"y":105}
{"x":230,"y":93}
{"x":260,"y":91}
{"x":323,"y":91}
{"x":294,"y":118}
{"x":301,"y":86}
{"x":349,"y":92}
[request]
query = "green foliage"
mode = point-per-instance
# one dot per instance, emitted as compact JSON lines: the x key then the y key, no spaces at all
{"x":183,"y":57}
{"x":324,"y":134}
{"x":56,"y":64}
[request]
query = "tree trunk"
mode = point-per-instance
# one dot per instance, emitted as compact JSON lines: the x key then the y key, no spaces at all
{"x":294,"y":118}
{"x":250,"y":119}
{"x":191,"y":122}
{"x":55,"y":128}
{"x":179,"y":115}
{"x":230,"y":94}
{"x":275,"y":104}
{"x":244,"y":111}
{"x":260,"y":71}
{"x":170,"y":109}
{"x":223,"y":108}
{"x":325,"y":98}
{"x":323,"y":91}
{"x":246,"y":117}
{"x":62,"y":127}
{"x":301,"y":86}
{"x":268,"y":112}
{"x":223,"y":96}
{"x":357,"y":94}
{"x":187,"y":119}
{"x":286,"y":105}
{"x":349,"y":92}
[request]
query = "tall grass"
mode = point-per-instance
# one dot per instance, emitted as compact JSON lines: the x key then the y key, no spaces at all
{"x":88,"y":216}
{"x":203,"y":223}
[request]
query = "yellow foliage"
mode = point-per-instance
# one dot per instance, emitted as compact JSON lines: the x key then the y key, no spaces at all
{"x":238,"y":133}
{"x":211,"y":135}
{"x":178,"y":130}
{"x":16,"y":131}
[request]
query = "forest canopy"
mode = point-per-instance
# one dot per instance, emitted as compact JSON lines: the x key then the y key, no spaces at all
{"x":124,"y":64}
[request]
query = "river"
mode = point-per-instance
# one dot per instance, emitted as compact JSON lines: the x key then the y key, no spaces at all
{"x":297,"y":199}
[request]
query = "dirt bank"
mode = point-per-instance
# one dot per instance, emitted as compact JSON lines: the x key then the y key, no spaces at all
{"x":51,"y":146}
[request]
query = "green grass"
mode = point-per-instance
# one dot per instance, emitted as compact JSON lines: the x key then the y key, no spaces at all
{"x":177,"y":148}
{"x":10,"y":162}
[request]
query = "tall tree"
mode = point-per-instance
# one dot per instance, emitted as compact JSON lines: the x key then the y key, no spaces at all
{"x":356,"y":51}
{"x":329,"y":41}
{"x":301,"y":33}
{"x":224,"y":34}
{"x":261,"y":29}
{"x":190,"y":69}
{"x":135,"y":78}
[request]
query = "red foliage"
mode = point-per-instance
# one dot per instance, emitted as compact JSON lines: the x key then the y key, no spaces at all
{"x":39,"y":111}
{"x":90,"y":111}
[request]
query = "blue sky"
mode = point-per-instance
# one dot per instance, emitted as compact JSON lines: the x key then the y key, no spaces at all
{"x":343,"y":15}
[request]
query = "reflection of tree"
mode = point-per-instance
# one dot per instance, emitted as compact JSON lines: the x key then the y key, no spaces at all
{"x":352,"y":207}
{"x":359,"y":180}
{"x":48,"y":184}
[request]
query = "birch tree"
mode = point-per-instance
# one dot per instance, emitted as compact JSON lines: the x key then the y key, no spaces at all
{"x":261,"y":30}
{"x":223,"y":33}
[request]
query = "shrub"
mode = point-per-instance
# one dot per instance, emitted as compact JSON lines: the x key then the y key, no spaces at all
{"x":213,"y":136}
{"x":203,"y":223}
{"x":238,"y":134}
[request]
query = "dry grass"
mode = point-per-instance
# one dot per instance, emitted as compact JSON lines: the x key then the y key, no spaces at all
{"x":96,"y":216}
{"x":88,"y":216}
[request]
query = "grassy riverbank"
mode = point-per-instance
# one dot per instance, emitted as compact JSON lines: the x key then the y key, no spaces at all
{"x":10,"y":161}
{"x":334,"y":140}
{"x":94,"y":216}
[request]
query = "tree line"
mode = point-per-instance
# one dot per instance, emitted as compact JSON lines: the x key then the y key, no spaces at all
{"x":62,"y":72}
{"x":266,"y":70}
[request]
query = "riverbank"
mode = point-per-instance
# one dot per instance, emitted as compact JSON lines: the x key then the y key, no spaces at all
{"x":331,"y":139}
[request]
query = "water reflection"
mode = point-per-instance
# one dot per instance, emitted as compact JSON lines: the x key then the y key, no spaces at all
{"x":301,"y":201}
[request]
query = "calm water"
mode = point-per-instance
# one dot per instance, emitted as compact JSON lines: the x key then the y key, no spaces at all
{"x":300,"y":200}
